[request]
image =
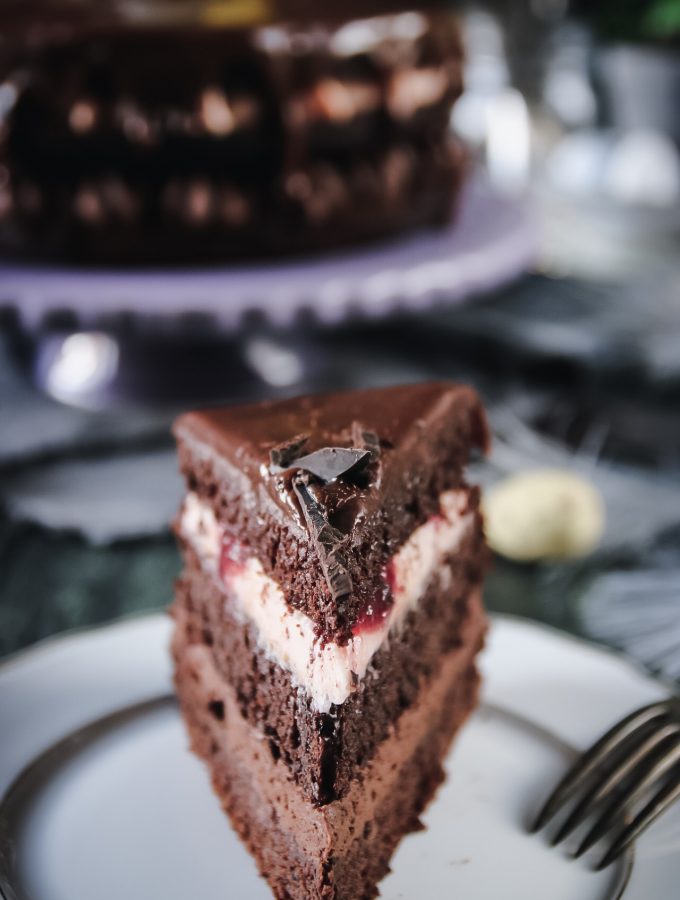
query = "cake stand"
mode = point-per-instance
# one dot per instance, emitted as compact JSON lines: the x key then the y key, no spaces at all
{"x":95,"y":313}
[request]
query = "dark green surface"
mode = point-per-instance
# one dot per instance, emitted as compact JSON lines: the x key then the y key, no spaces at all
{"x":53,"y":583}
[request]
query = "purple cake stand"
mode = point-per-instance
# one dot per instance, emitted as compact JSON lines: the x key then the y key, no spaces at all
{"x":492,"y":241}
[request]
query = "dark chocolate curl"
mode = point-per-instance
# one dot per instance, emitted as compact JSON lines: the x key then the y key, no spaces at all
{"x":329,"y":542}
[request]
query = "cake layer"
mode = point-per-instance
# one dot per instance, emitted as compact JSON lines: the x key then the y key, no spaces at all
{"x":322,"y":749}
{"x":135,"y":134}
{"x":325,"y":670}
{"x":340,"y":850}
{"x":421,"y":437}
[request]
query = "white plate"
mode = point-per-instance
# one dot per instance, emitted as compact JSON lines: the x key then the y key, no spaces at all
{"x":493,"y":240}
{"x":129,"y":813}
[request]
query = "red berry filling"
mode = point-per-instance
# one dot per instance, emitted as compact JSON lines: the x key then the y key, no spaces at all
{"x":378,"y":608}
{"x":233,"y":557}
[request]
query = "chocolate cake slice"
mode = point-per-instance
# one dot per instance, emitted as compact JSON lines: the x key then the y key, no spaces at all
{"x":328,"y":618}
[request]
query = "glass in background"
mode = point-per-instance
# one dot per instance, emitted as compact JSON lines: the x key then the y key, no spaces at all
{"x":577,"y":103}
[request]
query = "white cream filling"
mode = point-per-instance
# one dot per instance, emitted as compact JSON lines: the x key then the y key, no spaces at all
{"x":328,"y":672}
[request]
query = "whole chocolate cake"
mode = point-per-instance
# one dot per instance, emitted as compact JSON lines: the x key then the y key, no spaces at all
{"x":327,"y":620}
{"x":171,"y":131}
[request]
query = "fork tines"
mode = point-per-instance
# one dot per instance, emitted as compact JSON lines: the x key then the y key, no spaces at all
{"x":639,"y":753}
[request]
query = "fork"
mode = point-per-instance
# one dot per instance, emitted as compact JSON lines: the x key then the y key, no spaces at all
{"x":636,"y":761}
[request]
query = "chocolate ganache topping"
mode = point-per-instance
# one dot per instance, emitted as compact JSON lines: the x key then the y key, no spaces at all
{"x":324,"y":466}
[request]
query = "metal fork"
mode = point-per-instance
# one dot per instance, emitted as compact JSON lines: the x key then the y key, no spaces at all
{"x":638,"y":760}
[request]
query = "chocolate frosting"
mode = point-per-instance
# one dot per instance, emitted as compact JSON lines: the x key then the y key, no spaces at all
{"x":394,"y":424}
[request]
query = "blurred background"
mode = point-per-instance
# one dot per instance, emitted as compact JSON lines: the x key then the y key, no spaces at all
{"x":567,"y":319}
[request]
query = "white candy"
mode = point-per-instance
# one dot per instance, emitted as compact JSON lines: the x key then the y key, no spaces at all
{"x":547,"y":513}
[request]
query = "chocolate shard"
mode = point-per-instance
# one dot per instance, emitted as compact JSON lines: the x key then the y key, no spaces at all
{"x":329,"y":542}
{"x":282,"y":456}
{"x":330,"y":463}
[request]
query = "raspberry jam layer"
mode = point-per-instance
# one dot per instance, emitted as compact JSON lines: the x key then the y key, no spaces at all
{"x":233,"y":557}
{"x":379,"y":609}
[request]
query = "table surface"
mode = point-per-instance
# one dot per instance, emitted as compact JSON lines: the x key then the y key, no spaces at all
{"x":576,"y":373}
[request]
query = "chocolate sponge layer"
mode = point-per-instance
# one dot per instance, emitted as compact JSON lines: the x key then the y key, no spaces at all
{"x":323,"y":751}
{"x":338,"y":851}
